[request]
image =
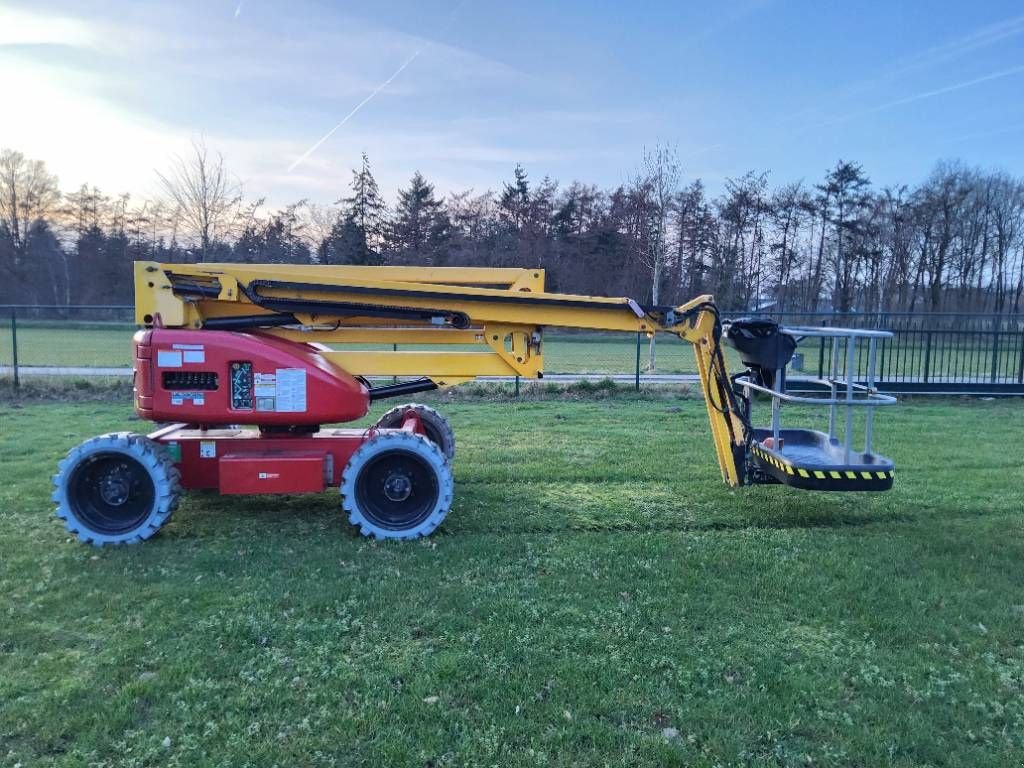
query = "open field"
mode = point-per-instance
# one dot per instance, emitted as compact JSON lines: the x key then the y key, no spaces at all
{"x":110,"y":345}
{"x":594,"y":586}
{"x":949,"y":354}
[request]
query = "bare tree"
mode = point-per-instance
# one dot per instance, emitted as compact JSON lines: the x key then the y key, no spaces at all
{"x":28,"y":192}
{"x":786,"y":211}
{"x":659,"y":180}
{"x":320,"y":221}
{"x":846,"y":193}
{"x":206,"y":197}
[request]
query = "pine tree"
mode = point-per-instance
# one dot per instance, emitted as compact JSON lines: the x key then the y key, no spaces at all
{"x":420,"y":229}
{"x":514,"y":205}
{"x":357,"y":236}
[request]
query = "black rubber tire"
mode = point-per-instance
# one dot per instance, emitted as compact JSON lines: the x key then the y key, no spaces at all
{"x":418,"y":464}
{"x":438,"y":430}
{"x":131,"y":459}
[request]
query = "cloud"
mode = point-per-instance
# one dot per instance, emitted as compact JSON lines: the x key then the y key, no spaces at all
{"x":135,"y":84}
{"x":26,"y":28}
{"x":80,"y":137}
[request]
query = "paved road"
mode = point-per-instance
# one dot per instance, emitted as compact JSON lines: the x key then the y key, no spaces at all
{"x":55,"y":370}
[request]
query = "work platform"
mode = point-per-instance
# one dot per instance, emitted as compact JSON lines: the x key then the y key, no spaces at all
{"x":807,"y":458}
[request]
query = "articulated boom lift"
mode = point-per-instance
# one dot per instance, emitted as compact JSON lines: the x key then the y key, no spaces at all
{"x":224,"y":345}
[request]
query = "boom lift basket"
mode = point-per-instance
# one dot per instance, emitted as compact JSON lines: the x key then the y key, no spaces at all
{"x":807,"y":458}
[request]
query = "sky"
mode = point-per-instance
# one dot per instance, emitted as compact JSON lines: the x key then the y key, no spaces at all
{"x":108,"y":92}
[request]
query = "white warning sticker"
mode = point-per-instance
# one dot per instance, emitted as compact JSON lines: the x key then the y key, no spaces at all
{"x":168,"y":358}
{"x":264,"y":389}
{"x":191,"y":353}
{"x":182,"y":397}
{"x":207,"y":449}
{"x":265,"y":384}
{"x":291,"y":390}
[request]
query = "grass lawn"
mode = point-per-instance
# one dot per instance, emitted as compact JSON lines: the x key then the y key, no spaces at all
{"x":110,"y":345}
{"x":949,"y":354}
{"x":596,"y":597}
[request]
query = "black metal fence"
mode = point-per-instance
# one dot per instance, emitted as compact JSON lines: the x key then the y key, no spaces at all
{"x":967,"y":353}
{"x":928,"y":353}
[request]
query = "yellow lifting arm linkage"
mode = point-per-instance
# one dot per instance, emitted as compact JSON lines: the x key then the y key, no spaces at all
{"x":499,"y":314}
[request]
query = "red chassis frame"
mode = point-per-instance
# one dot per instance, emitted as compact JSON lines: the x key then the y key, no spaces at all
{"x":246,"y":461}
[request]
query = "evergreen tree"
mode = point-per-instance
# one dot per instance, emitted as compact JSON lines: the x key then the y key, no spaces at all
{"x":514,"y":205}
{"x":347,"y":244}
{"x":420,"y":230}
{"x":358,"y":235}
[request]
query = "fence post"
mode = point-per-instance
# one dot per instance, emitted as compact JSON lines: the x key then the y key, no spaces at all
{"x":394,"y":348}
{"x":821,"y":355}
{"x":638,"y":361}
{"x":1020,"y":361}
{"x":927,"y":354}
{"x":995,"y":355}
{"x":14,"y":347}
{"x":517,"y":386}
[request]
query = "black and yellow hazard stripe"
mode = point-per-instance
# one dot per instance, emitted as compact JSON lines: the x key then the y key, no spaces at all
{"x":822,"y":478}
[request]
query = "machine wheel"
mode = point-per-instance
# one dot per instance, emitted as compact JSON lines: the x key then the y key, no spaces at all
{"x":438,"y":430}
{"x":116,"y":489}
{"x":397,"y":485}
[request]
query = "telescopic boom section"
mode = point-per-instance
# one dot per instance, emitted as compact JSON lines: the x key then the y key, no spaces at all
{"x":494,"y":319}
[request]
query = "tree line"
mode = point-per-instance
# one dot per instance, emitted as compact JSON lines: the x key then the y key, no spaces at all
{"x":954,"y":242}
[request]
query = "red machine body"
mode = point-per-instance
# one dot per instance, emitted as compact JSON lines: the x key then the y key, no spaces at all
{"x":206,"y":382}
{"x":216,"y":378}
{"x":243,"y":461}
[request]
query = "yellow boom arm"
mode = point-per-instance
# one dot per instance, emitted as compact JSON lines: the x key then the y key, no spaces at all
{"x":499,"y":314}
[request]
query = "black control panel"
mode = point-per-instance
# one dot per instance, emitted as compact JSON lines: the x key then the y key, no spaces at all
{"x":241,"y":386}
{"x":191,"y":380}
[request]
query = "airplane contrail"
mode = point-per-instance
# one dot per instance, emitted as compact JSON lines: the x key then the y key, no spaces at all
{"x":305,"y":155}
{"x":924,"y":95}
{"x":415,"y":55}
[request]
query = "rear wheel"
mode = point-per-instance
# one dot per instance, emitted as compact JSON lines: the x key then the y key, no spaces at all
{"x":116,"y":489}
{"x":398,"y":485}
{"x":436,"y":426}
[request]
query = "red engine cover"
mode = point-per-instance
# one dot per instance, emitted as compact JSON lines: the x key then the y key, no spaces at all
{"x":227,"y":377}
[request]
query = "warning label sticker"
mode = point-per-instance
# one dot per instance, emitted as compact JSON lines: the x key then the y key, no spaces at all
{"x":265,"y":385}
{"x":283,"y":391}
{"x":291,"y":390}
{"x":264,"y":389}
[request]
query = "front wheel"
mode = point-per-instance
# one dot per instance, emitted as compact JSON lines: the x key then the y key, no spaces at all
{"x":116,"y":489}
{"x":397,"y":485}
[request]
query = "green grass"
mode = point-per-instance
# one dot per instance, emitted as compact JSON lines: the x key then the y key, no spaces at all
{"x":594,"y":585}
{"x":99,"y":344}
{"x":45,"y":344}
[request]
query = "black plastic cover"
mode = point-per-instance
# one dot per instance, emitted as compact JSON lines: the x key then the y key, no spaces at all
{"x":763,"y":347}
